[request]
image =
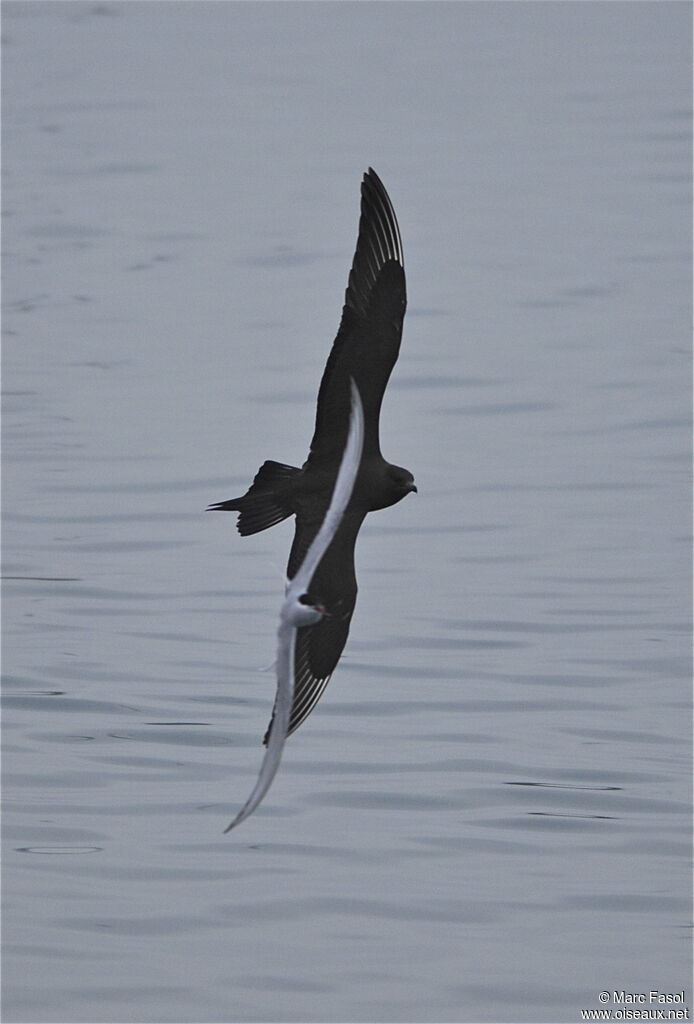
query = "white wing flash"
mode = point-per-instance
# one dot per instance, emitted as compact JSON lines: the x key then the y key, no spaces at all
{"x":296,"y":587}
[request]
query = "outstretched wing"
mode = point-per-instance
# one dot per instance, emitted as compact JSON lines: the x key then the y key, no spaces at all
{"x":342,"y":492}
{"x":319,"y":647}
{"x":368,"y":341}
{"x":322,"y":562}
{"x":283,"y":703}
{"x":317,"y":653}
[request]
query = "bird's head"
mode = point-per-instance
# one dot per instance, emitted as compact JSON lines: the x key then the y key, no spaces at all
{"x":402,"y":482}
{"x":306,"y":610}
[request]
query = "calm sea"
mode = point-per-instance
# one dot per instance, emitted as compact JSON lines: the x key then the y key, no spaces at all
{"x":487,"y":818}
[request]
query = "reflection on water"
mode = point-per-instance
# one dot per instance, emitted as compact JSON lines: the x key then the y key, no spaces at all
{"x":490,"y":807}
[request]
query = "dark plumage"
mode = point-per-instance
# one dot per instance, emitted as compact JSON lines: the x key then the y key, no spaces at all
{"x":366,"y":349}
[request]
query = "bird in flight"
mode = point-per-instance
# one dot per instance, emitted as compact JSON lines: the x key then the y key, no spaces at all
{"x":365,"y":351}
{"x":303,"y":610}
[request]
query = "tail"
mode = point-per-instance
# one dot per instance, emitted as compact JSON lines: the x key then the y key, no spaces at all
{"x":267,"y":501}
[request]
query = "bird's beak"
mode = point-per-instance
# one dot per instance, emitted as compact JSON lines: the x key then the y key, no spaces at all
{"x":413,"y":488}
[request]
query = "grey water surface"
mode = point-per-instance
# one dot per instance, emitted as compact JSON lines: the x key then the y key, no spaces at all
{"x":487,"y":817}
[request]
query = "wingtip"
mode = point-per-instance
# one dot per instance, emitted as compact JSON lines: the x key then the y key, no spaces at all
{"x":372,"y":177}
{"x":377,"y":202}
{"x":236,"y":821}
{"x":378,"y":243}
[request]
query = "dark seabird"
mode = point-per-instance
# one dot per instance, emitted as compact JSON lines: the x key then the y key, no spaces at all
{"x":365,"y":349}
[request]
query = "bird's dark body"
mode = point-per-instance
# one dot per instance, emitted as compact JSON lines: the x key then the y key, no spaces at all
{"x":365,"y":349}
